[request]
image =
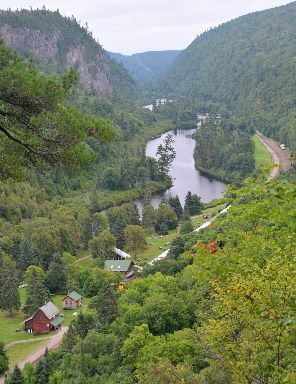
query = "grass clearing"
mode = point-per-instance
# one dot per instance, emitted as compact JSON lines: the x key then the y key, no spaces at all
{"x":262,"y":155}
{"x":18,"y":352}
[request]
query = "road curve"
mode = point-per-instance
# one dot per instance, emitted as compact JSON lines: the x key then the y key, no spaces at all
{"x":281,"y":158}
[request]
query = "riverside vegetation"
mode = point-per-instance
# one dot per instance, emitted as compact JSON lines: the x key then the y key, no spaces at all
{"x":221,"y":307}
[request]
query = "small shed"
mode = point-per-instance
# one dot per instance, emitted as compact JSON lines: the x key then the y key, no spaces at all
{"x":71,"y":301}
{"x":123,"y":267}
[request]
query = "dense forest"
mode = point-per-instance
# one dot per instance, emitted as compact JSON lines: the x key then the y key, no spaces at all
{"x":224,"y":149}
{"x":226,"y":315}
{"x":246,"y":65}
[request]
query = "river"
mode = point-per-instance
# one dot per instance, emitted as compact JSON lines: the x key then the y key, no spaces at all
{"x":185,"y":176}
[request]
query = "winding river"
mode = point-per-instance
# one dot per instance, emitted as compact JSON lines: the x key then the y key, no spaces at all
{"x":185,"y":176}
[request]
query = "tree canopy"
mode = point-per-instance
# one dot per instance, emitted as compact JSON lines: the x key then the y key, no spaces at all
{"x":38,"y":126}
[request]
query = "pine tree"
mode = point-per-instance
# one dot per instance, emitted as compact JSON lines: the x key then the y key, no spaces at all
{"x":9,"y":294}
{"x":176,"y":205}
{"x":44,"y":368}
{"x":105,"y":305}
{"x":188,"y":202}
{"x":196,"y":205}
{"x":4,"y":361}
{"x":56,"y":276}
{"x":38,"y":295}
{"x":29,"y":374}
{"x":16,"y":377}
{"x":193,"y":204}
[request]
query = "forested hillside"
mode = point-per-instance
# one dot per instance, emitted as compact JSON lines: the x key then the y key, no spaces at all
{"x":248,"y":66}
{"x":219,"y":310}
{"x":57,"y":43}
{"x":147,"y":66}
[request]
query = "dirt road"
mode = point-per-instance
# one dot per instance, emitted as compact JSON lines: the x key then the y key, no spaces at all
{"x":281,"y":158}
{"x":52,"y":344}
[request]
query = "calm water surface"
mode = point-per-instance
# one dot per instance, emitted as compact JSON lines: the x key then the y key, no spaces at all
{"x":185,"y":176}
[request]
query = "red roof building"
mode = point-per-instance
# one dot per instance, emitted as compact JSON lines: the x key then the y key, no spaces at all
{"x":46,"y":319}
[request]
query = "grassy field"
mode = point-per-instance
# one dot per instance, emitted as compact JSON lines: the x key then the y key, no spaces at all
{"x":18,"y":352}
{"x":11,"y":329}
{"x":9,"y":326}
{"x":155,"y":244}
{"x":262,"y":156}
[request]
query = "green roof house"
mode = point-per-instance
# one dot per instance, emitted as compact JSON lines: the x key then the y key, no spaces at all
{"x":72,"y":300}
{"x":124,"y":267}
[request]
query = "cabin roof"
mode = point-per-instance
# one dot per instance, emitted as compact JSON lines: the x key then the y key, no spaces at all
{"x":50,"y":310}
{"x":57,"y":321}
{"x":118,"y":265}
{"x":73,"y":295}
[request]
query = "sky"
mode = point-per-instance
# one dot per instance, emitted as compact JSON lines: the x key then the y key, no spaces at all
{"x":131,"y":26}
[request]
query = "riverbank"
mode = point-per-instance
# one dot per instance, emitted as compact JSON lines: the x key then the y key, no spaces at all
{"x":110,"y":199}
{"x":214,"y":174}
{"x":263,"y":156}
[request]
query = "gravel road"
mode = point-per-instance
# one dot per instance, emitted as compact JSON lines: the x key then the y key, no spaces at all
{"x":282,"y":158}
{"x":52,"y":344}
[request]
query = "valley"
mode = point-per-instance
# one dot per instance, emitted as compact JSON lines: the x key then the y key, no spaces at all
{"x":147,"y":245}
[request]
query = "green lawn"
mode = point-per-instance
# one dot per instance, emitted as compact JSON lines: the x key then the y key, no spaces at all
{"x":158,"y":244}
{"x":155,"y":244}
{"x":262,"y":155}
{"x":18,"y":352}
{"x":10,"y":325}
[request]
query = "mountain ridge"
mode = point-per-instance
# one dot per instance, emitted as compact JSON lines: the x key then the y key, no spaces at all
{"x":58,"y":43}
{"x":147,"y":66}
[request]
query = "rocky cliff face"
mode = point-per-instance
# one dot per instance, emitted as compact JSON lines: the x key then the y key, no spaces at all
{"x":57,"y":44}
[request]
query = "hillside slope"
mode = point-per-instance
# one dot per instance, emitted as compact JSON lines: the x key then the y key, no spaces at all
{"x":58,"y":43}
{"x":247,"y":65}
{"x":147,"y":66}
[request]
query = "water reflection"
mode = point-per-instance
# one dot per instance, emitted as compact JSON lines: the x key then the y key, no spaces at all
{"x":186,"y":177}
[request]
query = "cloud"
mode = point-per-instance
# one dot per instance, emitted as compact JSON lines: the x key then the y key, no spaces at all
{"x":130,"y":26}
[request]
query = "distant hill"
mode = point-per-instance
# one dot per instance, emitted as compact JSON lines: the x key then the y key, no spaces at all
{"x":147,"y":66}
{"x":57,"y":43}
{"x":247,"y":65}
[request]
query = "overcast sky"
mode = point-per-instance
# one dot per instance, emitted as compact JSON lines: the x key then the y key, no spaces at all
{"x":130,"y":26}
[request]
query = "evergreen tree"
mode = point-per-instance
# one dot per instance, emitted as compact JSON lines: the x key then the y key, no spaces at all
{"x":166,"y":155}
{"x":37,"y":125}
{"x":16,"y":377}
{"x":176,"y":205}
{"x":4,"y":361}
{"x":105,"y":305}
{"x":166,"y":218}
{"x":9,"y":294}
{"x":38,"y":294}
{"x":188,"y":202}
{"x":28,"y":255}
{"x":186,"y":215}
{"x":117,"y":222}
{"x":29,"y":374}
{"x":56,"y":276}
{"x":196,"y":205}
{"x":44,"y":368}
{"x":193,"y":204}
